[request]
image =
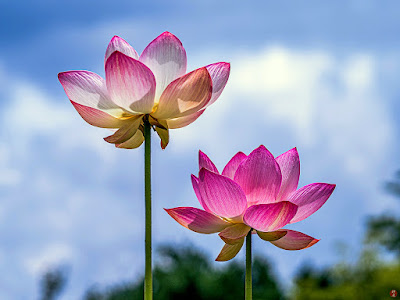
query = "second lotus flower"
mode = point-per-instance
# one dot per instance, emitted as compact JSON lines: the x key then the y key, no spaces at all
{"x":152,"y":87}
{"x":255,"y":193}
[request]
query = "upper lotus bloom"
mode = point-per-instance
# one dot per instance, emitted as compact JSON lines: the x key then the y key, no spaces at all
{"x":153,"y":86}
{"x":256,"y":192}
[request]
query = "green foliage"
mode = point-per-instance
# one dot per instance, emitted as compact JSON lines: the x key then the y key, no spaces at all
{"x":185,"y":273}
{"x":368,"y":279}
{"x":52,"y":283}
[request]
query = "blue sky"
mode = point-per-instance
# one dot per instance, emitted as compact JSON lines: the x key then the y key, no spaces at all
{"x":322,"y":77}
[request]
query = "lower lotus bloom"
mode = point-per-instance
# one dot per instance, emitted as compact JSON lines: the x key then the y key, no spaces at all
{"x":152,"y":87}
{"x":255,"y":193}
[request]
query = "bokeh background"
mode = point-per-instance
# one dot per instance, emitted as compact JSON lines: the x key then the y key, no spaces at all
{"x":321,"y":76}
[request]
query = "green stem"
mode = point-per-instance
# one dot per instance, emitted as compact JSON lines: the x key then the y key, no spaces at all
{"x":248,"y":281}
{"x":148,"y":276}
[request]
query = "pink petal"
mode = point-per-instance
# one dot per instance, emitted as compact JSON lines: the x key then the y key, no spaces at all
{"x":195,"y":184}
{"x":234,"y":233}
{"x":185,"y":95}
{"x":183,"y":121}
{"x":259,"y":176}
{"x":231,"y":167}
{"x":295,"y":240}
{"x":272,"y":235}
{"x":87,"y":88}
{"x":166,"y":58}
{"x":119,"y":44}
{"x":197,"y":220}
{"x":97,"y":117}
{"x":230,"y":251}
{"x":125,"y":132}
{"x":289,"y":164}
{"x":269,"y":217}
{"x":219,"y":73}
{"x":134,"y":142}
{"x":310,"y":198}
{"x":206,"y":163}
{"x":130,"y":83}
{"x":221,"y":195}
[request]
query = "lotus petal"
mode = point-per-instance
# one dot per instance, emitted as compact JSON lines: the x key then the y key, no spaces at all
{"x":206,"y":163}
{"x":197,"y":220}
{"x":230,"y":251}
{"x":289,"y":164}
{"x":259,"y":176}
{"x":119,"y":44}
{"x":295,"y":240}
{"x":269,"y":217}
{"x":219,"y":73}
{"x":231,"y":167}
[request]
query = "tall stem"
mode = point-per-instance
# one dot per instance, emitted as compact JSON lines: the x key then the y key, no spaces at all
{"x":248,"y":280}
{"x":148,"y":277}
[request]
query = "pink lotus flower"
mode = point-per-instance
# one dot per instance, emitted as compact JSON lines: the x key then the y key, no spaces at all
{"x":151,"y":86}
{"x":256,"y":192}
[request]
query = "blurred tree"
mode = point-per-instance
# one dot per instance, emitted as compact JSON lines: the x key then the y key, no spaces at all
{"x":185,"y":273}
{"x":384,"y":230}
{"x":52,"y":283}
{"x":368,"y":279}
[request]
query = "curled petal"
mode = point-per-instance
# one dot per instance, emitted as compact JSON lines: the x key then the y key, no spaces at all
{"x":219,"y":73}
{"x":185,"y":95}
{"x":234,"y":233}
{"x":289,"y":164}
{"x":130,"y":83}
{"x":89,"y":89}
{"x":197,"y":220}
{"x":259,"y":176}
{"x":310,"y":198}
{"x":119,"y":44}
{"x":163,"y":133}
{"x":183,"y":121}
{"x":206,"y":163}
{"x":295,"y":240}
{"x":272,"y":235}
{"x":125,"y":132}
{"x":230,"y":251}
{"x":231,"y":167}
{"x":166,"y":58}
{"x":221,"y":195}
{"x":134,"y":142}
{"x":269,"y":217}
{"x":195,"y":184}
{"x":97,"y":117}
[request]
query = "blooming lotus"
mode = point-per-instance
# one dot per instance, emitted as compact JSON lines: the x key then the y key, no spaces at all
{"x":152,"y":87}
{"x":255,"y":193}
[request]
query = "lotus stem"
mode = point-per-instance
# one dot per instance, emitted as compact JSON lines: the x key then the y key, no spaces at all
{"x":248,"y":280}
{"x":148,"y":277}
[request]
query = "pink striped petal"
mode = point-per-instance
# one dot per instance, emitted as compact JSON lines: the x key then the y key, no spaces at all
{"x":259,"y":176}
{"x":295,"y":240}
{"x":270,"y":217}
{"x":89,"y":89}
{"x":119,"y":44}
{"x":289,"y":164}
{"x":183,"y":121}
{"x":272,"y":235}
{"x":125,"y":132}
{"x":219,"y":73}
{"x":134,"y":142}
{"x":206,"y":163}
{"x":166,"y":58}
{"x":195,"y":184}
{"x":130,"y":83}
{"x":97,"y":117}
{"x":197,"y":220}
{"x":231,"y":167}
{"x":234,"y":233}
{"x":221,"y":195}
{"x":310,"y":198}
{"x":185,"y":95}
{"x":230,"y":251}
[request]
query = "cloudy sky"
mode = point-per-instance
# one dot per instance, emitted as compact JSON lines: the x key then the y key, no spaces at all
{"x":321,"y":77}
